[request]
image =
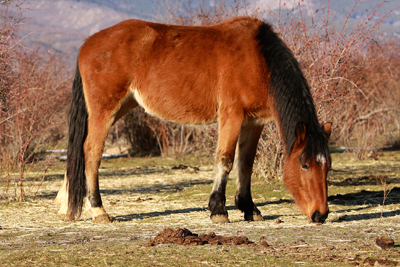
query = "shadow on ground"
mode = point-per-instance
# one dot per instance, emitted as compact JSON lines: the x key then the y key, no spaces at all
{"x":133,"y":216}
{"x":157,"y":188}
{"x":367,"y":198}
{"x":152,"y":189}
{"x":367,"y":216}
{"x":365,"y":180}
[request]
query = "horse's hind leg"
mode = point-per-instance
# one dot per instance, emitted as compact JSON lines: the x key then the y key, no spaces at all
{"x":247,"y":146}
{"x":99,"y":124}
{"x":62,"y":199}
{"x":229,"y":128}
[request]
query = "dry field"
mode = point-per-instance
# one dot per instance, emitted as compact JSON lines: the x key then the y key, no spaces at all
{"x":145,"y":196}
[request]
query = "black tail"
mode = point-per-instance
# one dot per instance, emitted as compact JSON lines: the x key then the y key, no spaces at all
{"x":77,"y":120}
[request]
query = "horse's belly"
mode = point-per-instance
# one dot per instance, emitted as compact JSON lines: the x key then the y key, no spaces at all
{"x":184,"y":108}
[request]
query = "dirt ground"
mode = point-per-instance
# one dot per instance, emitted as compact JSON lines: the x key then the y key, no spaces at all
{"x":149,"y":197}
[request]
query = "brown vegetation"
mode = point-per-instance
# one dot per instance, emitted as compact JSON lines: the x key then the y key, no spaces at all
{"x":354,"y":76}
{"x":34,"y":100}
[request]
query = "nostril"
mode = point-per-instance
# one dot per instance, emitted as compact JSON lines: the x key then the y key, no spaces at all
{"x":317,"y":217}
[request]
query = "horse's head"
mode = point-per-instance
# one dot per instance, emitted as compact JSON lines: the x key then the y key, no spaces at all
{"x":305,"y":177}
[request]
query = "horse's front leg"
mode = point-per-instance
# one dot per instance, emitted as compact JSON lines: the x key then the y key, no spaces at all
{"x":247,"y":146}
{"x":229,"y":128}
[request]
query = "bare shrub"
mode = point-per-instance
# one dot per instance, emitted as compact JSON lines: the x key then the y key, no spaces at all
{"x":10,"y":20}
{"x":148,"y":135}
{"x":377,"y":112}
{"x":141,"y":137}
{"x":179,"y":140}
{"x":270,"y":153}
{"x":35,"y":119}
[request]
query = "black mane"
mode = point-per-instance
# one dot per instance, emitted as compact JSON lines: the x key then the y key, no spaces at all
{"x":291,"y":94}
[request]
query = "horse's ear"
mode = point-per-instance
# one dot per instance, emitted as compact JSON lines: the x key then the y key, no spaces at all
{"x":300,"y":132}
{"x":328,"y":129}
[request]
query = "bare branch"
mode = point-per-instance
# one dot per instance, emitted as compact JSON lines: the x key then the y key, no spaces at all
{"x":12,"y":116}
{"x":5,"y":1}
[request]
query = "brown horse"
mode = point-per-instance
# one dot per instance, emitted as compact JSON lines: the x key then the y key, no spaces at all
{"x":238,"y":74}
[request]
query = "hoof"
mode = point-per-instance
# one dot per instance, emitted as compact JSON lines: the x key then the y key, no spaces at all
{"x":219,"y":218}
{"x":103,"y":218}
{"x":64,"y":217}
{"x":253,"y":217}
{"x":258,"y":217}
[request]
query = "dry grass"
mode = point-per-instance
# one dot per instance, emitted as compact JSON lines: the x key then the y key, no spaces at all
{"x":144,"y":197}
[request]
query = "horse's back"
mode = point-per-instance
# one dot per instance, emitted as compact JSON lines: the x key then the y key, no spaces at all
{"x":183,"y":74}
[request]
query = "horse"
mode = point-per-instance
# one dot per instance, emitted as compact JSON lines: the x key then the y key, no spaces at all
{"x":238,"y":74}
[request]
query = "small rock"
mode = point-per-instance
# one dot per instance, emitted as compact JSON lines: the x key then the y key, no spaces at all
{"x":278,"y":221}
{"x":384,"y":242}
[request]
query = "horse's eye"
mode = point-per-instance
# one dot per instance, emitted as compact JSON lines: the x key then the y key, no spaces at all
{"x":305,"y":166}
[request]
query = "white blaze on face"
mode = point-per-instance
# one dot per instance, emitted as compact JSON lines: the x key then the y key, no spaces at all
{"x":321,"y":159}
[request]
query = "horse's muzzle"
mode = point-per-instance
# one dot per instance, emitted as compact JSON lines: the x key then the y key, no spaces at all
{"x":317,"y":217}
